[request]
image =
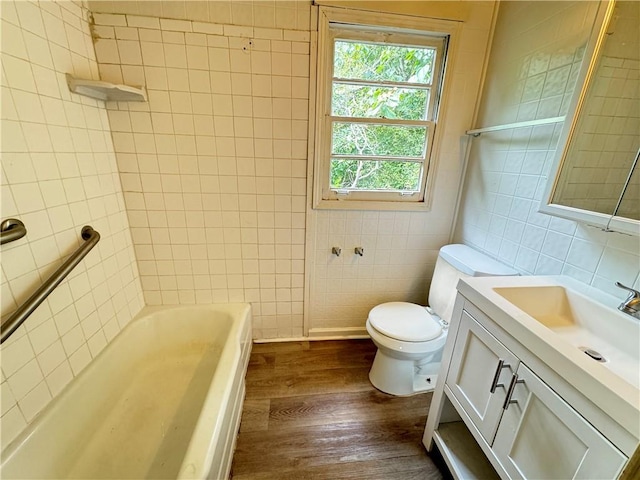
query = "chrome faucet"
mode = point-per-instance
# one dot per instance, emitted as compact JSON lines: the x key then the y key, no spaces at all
{"x":631,"y":305}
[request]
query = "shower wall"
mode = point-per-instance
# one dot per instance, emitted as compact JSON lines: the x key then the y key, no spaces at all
{"x":59,"y":173}
{"x":213,"y":166}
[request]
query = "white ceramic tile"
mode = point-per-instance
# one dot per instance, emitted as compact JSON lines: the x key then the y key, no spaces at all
{"x":59,"y":378}
{"x":245,"y":143}
{"x":544,"y":82}
{"x":107,"y":51}
{"x":152,"y":54}
{"x":64,"y":146}
{"x":51,"y":358}
{"x":34,"y":401}
{"x":25,"y":379}
{"x":16,"y":354}
{"x":13,"y":422}
{"x":79,"y":359}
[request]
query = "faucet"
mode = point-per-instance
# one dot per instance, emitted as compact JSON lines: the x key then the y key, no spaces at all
{"x":631,"y":305}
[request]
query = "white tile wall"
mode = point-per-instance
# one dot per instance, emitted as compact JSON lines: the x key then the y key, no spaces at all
{"x":59,"y":173}
{"x":281,"y":14}
{"x":214,"y":166}
{"x":534,"y":42}
{"x":400,"y":248}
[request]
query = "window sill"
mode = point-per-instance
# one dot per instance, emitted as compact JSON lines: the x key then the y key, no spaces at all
{"x":371,"y":205}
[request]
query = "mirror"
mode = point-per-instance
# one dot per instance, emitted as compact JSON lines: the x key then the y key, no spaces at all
{"x":598,"y":147}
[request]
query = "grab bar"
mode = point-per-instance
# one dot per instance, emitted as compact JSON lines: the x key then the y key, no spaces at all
{"x":91,"y":237}
{"x":11,"y":229}
{"x":528,"y":123}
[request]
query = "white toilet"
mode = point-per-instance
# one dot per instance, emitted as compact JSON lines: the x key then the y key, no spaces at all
{"x":409,"y":337}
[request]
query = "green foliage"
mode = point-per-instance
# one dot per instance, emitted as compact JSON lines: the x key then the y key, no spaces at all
{"x":371,"y":175}
{"x":378,"y":63}
{"x":383,"y":62}
{"x":389,"y":140}
{"x":379,"y":102}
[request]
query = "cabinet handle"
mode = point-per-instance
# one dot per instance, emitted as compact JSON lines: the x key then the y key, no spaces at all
{"x":512,"y":387}
{"x":496,"y":377}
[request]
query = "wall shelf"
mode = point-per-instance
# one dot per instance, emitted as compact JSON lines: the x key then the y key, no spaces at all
{"x":106,"y":91}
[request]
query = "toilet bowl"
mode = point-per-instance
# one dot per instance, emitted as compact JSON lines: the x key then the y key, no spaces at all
{"x":410,"y":342}
{"x":410,"y":338}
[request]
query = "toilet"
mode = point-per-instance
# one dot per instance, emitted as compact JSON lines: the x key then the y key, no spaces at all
{"x":410,"y":337}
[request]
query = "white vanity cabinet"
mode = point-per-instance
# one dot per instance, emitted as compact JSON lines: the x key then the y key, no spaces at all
{"x":541,"y":436}
{"x":481,"y":368}
{"x":523,"y":428}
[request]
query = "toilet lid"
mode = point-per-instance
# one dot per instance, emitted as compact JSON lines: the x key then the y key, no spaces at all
{"x":404,"y":321}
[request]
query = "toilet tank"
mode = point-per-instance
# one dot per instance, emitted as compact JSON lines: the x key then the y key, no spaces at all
{"x":455,"y":262}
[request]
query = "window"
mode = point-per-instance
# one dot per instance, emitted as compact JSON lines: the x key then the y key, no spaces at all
{"x":378,"y":94}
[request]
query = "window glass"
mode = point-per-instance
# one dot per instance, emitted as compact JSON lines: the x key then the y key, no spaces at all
{"x":378,"y":140}
{"x":364,"y":101}
{"x":383,"y":62}
{"x":352,"y":174}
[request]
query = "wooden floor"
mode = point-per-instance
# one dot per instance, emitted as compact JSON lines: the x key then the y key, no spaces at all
{"x":311,"y":413}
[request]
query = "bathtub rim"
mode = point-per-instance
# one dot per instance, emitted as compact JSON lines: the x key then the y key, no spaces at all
{"x":197,"y":462}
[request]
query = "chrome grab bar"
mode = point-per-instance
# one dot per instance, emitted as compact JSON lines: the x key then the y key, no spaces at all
{"x":90,"y":237}
{"x":11,"y":229}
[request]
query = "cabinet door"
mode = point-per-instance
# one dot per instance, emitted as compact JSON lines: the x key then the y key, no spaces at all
{"x":541,"y":436}
{"x":480,"y":370}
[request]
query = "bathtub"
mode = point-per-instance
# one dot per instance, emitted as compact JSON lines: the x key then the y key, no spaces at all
{"x":162,"y":400}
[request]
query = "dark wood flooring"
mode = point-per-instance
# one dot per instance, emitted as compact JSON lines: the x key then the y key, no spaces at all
{"x":311,"y":413}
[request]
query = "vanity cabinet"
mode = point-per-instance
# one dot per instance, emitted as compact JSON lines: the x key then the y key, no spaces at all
{"x":541,"y":436}
{"x":480,"y":369}
{"x":523,"y":427}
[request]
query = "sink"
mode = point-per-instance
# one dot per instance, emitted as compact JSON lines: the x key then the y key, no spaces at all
{"x":594,"y":328}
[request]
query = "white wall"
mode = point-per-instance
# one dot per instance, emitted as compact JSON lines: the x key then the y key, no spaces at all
{"x":59,"y":173}
{"x":531,"y":74}
{"x":400,"y":248}
{"x":284,"y":14}
{"x":214,"y":166}
{"x":214,"y":171}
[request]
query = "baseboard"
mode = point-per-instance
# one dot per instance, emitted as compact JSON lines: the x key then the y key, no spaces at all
{"x":316,"y":334}
{"x":345,"y":332}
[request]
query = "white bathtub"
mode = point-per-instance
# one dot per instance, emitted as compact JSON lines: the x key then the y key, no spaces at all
{"x":163,"y":400}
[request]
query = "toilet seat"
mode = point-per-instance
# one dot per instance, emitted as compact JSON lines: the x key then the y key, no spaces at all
{"x":404,"y":321}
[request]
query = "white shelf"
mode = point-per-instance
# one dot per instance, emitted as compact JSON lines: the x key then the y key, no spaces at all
{"x":106,"y":91}
{"x":463,"y":456}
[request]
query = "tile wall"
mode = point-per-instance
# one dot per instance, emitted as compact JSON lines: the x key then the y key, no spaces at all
{"x":59,"y":173}
{"x":220,"y":152}
{"x":285,"y":14}
{"x":531,"y":74}
{"x":400,"y":248}
{"x":213,"y":167}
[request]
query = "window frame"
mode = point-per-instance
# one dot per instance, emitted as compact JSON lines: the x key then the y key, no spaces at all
{"x":367,"y":27}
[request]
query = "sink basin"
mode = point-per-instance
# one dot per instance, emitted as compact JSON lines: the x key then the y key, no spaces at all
{"x":597,"y":329}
